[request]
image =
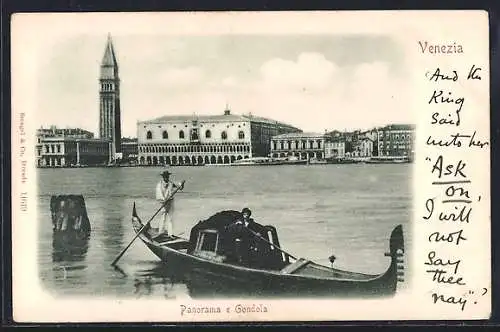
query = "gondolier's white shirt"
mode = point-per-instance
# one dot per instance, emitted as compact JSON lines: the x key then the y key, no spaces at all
{"x":164,"y":190}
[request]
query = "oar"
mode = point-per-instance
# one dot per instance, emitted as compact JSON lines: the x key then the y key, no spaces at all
{"x":117,"y":268}
{"x":144,"y":226}
{"x":260,"y":237}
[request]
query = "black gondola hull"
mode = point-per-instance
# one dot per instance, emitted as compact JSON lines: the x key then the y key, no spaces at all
{"x":209,"y":278}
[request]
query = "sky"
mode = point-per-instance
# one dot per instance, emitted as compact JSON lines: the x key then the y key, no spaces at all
{"x":315,"y":82}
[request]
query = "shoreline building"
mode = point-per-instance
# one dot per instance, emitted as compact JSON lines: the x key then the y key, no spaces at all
{"x":396,"y":140}
{"x":129,"y":149}
{"x":364,"y":148}
{"x":53,"y":131}
{"x":57,"y":147}
{"x":334,"y":148}
{"x":206,"y":139}
{"x":352,"y":144}
{"x":109,"y":100}
{"x":304,"y":146}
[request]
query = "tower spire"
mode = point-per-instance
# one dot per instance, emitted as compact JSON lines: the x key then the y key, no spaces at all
{"x":109,"y":99}
{"x":109,"y":58}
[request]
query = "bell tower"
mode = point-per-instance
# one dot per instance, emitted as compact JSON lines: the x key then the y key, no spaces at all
{"x":109,"y":99}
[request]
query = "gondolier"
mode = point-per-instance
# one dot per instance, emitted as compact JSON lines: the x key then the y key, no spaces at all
{"x":164,"y":190}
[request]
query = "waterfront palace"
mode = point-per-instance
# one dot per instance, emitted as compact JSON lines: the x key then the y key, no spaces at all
{"x":206,"y":139}
{"x":304,"y":146}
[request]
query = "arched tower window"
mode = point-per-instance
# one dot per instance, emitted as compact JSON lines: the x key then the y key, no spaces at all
{"x":208,"y":134}
{"x":241,"y":134}
{"x":223,"y":135}
{"x":181,"y":134}
{"x":165,"y":134}
{"x":149,"y":135}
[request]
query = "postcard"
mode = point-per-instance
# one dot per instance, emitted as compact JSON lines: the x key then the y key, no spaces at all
{"x":250,"y":166}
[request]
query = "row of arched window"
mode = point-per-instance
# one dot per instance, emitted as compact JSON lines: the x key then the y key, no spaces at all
{"x":208,"y":134}
{"x":107,"y":86}
{"x":194,"y":148}
{"x":52,"y":148}
{"x":309,"y":144}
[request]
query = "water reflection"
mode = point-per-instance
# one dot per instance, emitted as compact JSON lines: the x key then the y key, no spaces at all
{"x":143,"y":287}
{"x":351,"y":219}
{"x":172,"y":282}
{"x":69,"y":247}
{"x":159,"y":280}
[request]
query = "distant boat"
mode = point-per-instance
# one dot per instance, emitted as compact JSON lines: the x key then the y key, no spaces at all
{"x":315,"y":161}
{"x":295,"y":161}
{"x":78,"y":165}
{"x":292,"y":160}
{"x":257,"y":161}
{"x":388,"y":160}
{"x":340,"y":161}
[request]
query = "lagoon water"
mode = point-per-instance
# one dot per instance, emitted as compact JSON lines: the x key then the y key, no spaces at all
{"x":318,"y":210}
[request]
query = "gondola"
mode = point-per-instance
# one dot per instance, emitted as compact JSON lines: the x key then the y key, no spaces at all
{"x":207,"y":258}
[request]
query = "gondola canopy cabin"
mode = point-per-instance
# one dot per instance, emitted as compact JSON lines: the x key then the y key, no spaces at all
{"x":223,"y":238}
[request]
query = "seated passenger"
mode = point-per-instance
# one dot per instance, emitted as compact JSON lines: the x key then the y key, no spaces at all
{"x":249,"y":244}
{"x":248,"y":222}
{"x":257,"y":243}
{"x":242,"y":222}
{"x":240,"y":238}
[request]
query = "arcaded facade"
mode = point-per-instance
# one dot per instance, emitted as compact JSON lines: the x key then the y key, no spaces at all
{"x":206,"y":139}
{"x":304,"y":146}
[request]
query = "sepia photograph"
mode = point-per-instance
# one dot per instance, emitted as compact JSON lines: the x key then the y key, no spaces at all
{"x":231,"y":175}
{"x":218,"y":164}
